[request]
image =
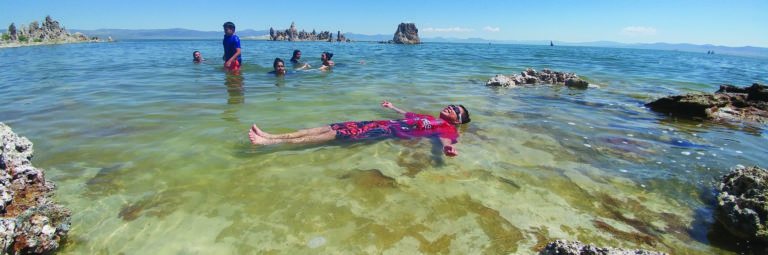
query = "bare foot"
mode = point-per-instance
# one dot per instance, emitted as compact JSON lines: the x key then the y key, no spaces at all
{"x":258,"y":132}
{"x":256,"y":139}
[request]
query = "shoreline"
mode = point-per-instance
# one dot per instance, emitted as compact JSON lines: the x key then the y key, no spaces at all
{"x":27,"y":44}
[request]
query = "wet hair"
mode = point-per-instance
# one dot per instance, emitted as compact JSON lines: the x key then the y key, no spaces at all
{"x":277,"y":60}
{"x":293,"y":58}
{"x":328,"y":55}
{"x":195,"y":59}
{"x":463,"y":118}
{"x":229,"y":24}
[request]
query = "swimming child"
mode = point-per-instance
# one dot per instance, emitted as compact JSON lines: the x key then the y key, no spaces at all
{"x":326,"y":59}
{"x":197,"y":58}
{"x":413,"y":125}
{"x":296,"y":60}
{"x":279,"y":67}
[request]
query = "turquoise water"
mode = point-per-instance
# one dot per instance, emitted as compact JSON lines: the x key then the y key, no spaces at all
{"x":150,"y":151}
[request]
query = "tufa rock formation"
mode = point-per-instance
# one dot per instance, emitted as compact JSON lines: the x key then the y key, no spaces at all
{"x":406,"y":33}
{"x":50,"y":32}
{"x":742,"y":205}
{"x":29,"y":221}
{"x":292,"y":34}
{"x":563,"y":247}
{"x":729,"y":103}
{"x":530,"y":76}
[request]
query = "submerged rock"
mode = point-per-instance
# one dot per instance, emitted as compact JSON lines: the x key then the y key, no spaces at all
{"x":563,"y":247}
{"x":29,"y":222}
{"x":501,"y":80}
{"x":729,"y":103}
{"x":742,"y":205}
{"x":531,"y":77}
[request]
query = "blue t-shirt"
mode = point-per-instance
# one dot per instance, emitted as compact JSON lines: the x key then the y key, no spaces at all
{"x":231,"y":44}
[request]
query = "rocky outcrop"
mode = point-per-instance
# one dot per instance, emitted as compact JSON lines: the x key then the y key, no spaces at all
{"x":563,"y":247}
{"x":742,"y":205}
{"x":293,"y":34}
{"x":30,"y":222}
{"x":531,"y":77}
{"x":50,"y":32}
{"x":729,"y":103}
{"x":13,"y":35}
{"x":406,"y":33}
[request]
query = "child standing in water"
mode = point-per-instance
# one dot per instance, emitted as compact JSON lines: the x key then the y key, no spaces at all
{"x":232,"y":51}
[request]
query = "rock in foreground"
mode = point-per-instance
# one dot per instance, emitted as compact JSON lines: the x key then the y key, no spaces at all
{"x":742,"y":205}
{"x":531,"y":77}
{"x":729,"y":103}
{"x":30,"y":222}
{"x":563,"y":247}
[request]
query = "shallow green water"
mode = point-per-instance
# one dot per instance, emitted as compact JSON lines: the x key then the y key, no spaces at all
{"x":151,"y":155}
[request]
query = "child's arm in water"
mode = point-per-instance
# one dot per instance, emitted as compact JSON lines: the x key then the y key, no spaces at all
{"x":448,"y":148}
{"x":389,"y":105}
{"x":303,"y":67}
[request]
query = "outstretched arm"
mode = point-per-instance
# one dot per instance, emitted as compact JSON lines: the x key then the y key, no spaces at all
{"x":389,"y":105}
{"x":448,"y":148}
{"x":304,"y":66}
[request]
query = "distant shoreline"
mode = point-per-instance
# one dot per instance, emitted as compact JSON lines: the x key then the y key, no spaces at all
{"x":164,"y":34}
{"x":27,"y":44}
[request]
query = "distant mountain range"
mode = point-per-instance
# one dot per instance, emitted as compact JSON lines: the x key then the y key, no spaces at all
{"x":179,"y":33}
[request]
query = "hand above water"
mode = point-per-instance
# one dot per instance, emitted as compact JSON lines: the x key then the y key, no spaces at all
{"x":386,"y":104}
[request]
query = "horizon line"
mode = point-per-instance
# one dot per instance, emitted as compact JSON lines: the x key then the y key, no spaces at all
{"x":448,"y":38}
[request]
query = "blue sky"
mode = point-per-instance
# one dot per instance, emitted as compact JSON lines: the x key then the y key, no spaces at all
{"x":726,"y":23}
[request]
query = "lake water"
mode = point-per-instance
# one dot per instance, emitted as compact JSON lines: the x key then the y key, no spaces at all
{"x":150,"y":152}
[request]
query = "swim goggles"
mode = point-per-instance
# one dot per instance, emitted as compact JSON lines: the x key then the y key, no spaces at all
{"x":457,"y":110}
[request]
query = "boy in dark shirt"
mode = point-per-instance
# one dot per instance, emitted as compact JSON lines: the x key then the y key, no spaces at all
{"x":231,"y":42}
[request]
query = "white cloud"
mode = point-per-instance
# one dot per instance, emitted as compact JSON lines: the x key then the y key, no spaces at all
{"x":447,"y":29}
{"x":638,"y":31}
{"x":492,"y":29}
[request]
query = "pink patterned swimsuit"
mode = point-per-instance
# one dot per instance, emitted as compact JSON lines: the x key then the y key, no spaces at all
{"x":413,"y":125}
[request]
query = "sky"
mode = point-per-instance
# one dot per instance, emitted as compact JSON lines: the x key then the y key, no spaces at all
{"x":725,"y":23}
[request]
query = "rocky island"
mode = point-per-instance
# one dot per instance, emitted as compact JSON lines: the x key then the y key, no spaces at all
{"x":406,"y":33}
{"x":50,"y":32}
{"x":292,"y":34}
